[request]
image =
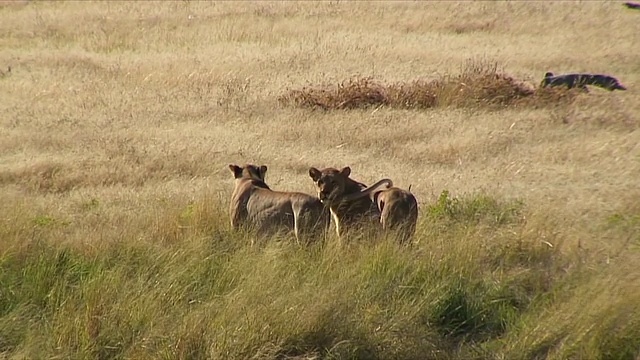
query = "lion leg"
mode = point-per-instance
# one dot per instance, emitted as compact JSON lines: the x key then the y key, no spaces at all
{"x":300,"y":223}
{"x":386,"y":220}
{"x":296,"y":228}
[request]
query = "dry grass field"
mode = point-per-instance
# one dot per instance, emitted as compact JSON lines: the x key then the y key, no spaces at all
{"x":118,"y":121}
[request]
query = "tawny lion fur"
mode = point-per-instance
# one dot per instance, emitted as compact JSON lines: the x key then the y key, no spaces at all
{"x":333,"y":186}
{"x":254,"y":205}
{"x":398,"y":208}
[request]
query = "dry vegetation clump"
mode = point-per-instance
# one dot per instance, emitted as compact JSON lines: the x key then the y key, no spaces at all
{"x":478,"y":85}
{"x":358,"y":92}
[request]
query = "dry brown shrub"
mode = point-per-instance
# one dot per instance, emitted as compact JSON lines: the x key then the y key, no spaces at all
{"x":478,"y":85}
{"x":357,"y":92}
{"x":416,"y":94}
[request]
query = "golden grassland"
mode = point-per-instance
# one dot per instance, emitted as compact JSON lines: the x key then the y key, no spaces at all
{"x":118,"y":121}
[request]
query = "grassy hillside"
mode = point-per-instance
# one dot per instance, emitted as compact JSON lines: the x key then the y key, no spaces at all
{"x":118,"y":121}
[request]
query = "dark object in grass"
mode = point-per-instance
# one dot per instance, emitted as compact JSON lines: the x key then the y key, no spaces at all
{"x":631,"y":5}
{"x":581,"y":81}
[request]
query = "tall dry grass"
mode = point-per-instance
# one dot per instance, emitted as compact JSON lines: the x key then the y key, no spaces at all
{"x":118,"y":119}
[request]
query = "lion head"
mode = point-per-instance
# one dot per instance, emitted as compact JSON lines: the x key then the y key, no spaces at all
{"x":248,"y":171}
{"x":332,"y":184}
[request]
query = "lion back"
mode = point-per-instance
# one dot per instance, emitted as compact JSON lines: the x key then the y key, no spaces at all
{"x":399,"y":210}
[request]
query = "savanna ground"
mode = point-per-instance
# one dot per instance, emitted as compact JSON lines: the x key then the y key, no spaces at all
{"x":118,"y":121}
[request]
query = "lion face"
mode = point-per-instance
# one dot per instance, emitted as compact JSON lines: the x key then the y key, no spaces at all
{"x":330,"y":183}
{"x":249,"y":171}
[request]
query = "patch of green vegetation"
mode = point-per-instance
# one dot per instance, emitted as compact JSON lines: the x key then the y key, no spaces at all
{"x":625,"y":225}
{"x":91,"y":204}
{"x":472,"y":291}
{"x":43,"y":220}
{"x":624,"y":222}
{"x":474,"y":209}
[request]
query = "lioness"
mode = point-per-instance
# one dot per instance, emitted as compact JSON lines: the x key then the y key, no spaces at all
{"x":348,"y":214}
{"x":255,"y":205}
{"x":398,"y":208}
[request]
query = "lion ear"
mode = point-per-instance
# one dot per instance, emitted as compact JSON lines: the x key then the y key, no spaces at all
{"x":314,"y":173}
{"x":346,"y":171}
{"x":263,"y":171}
{"x":236,"y":171}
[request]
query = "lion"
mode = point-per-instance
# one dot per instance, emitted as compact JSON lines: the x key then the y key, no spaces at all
{"x":332,"y":186}
{"x":254,"y":205}
{"x":398,"y":208}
